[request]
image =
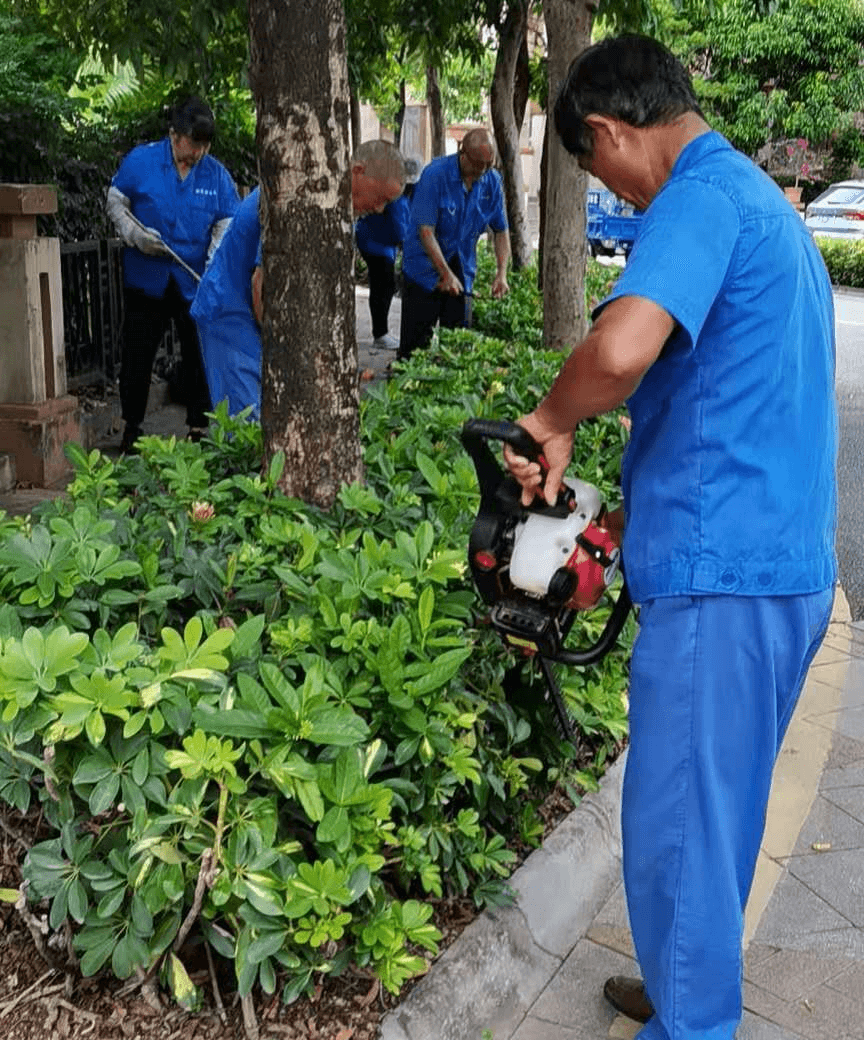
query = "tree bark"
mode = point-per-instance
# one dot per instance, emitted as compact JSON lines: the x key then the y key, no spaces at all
{"x":356,"y":121}
{"x":511,"y":37}
{"x":568,"y":28}
{"x":310,"y":397}
{"x":436,"y":112}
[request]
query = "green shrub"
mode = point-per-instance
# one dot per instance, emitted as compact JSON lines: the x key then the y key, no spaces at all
{"x":844,"y":260}
{"x":206,"y":683}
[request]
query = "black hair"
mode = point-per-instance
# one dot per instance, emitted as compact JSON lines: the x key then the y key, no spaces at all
{"x":193,"y":118}
{"x":630,"y":77}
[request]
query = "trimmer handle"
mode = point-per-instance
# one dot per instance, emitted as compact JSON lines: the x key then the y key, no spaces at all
{"x":475,"y":434}
{"x":511,"y":433}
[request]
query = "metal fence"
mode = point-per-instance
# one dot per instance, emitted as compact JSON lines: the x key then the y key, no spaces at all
{"x":92,"y":280}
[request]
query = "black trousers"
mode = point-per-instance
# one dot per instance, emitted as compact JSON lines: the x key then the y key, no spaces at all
{"x":145,"y":321}
{"x":422,"y":310}
{"x":382,"y":288}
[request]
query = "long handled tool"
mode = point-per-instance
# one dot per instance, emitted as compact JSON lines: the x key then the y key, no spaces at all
{"x":168,"y":250}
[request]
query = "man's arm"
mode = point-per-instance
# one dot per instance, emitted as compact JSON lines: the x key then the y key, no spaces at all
{"x":257,"y":299}
{"x":447,"y":281}
{"x":502,"y":258}
{"x":599,"y":375}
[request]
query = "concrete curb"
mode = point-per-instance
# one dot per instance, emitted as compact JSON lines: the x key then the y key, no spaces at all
{"x":500,"y":964}
{"x":495,"y":971}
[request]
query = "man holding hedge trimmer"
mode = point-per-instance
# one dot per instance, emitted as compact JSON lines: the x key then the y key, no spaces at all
{"x":719,"y":335}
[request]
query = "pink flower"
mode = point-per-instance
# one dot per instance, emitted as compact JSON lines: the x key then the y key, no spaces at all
{"x":202,"y":511}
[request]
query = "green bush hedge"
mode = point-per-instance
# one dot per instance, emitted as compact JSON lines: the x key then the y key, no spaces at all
{"x":206,"y":685}
{"x":844,"y":260}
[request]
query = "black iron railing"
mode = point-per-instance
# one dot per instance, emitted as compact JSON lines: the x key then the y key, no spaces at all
{"x":92,"y":281}
{"x":92,"y":278}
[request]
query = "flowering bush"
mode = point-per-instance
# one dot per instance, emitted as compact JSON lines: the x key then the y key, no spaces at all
{"x":800,"y":158}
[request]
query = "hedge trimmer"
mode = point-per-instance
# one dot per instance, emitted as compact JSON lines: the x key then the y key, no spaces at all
{"x":536,"y":567}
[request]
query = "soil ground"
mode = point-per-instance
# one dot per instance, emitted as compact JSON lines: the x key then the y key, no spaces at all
{"x":38,"y":1002}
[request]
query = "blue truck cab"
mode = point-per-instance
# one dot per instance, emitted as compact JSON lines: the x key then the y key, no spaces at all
{"x":611,"y":223}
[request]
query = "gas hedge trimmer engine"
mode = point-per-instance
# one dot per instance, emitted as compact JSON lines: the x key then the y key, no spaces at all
{"x":537,"y":566}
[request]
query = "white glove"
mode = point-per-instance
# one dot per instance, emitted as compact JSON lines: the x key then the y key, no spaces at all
{"x":147,"y":240}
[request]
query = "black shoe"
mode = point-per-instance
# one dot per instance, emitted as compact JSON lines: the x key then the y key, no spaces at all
{"x":196,"y":434}
{"x":130,"y":436}
{"x":629,"y":997}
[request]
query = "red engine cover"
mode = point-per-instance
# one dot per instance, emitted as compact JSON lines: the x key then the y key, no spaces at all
{"x":593,"y":575}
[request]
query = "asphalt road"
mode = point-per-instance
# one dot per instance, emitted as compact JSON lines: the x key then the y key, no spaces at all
{"x":849,"y":311}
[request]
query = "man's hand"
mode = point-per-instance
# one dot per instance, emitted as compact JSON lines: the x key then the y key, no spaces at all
{"x":557,"y":450}
{"x":500,"y":287}
{"x":450,"y":284}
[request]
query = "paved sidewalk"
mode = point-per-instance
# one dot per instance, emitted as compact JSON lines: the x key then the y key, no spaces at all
{"x":535,"y":971}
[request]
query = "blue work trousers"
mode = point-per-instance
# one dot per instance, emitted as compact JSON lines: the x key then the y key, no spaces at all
{"x":713,"y":683}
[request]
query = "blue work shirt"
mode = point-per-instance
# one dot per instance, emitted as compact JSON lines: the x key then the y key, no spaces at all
{"x":459,"y":218}
{"x":729,"y":477}
{"x":227,"y":329}
{"x":182,"y":211}
{"x":381,"y":234}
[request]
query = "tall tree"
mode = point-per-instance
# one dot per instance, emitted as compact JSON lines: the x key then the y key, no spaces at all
{"x":568,"y":28}
{"x":507,"y":124}
{"x":436,"y":111}
{"x":310,"y":397}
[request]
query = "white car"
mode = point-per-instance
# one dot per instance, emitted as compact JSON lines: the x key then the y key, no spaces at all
{"x":838,"y":212}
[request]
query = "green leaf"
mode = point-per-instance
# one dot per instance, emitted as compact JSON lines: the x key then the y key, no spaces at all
{"x":183,"y":989}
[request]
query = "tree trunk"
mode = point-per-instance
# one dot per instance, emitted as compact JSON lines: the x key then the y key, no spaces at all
{"x":356,"y":122}
{"x":511,"y":37}
{"x":310,"y":398}
{"x":521,"y":82}
{"x":436,"y":112}
{"x":399,"y":117}
{"x":568,"y":28}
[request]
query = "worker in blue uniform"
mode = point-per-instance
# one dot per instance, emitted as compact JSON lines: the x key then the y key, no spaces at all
{"x":719,"y":335}
{"x":227,"y":310}
{"x":228,"y":306}
{"x":378,"y":237}
{"x":167,"y":197}
{"x":457,"y":197}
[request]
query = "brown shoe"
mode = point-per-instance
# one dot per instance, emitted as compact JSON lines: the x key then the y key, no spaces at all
{"x":629,"y":997}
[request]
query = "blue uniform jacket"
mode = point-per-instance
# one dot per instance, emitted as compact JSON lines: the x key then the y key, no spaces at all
{"x":182,"y":211}
{"x":227,"y":329}
{"x":459,"y":218}
{"x":729,"y":477}
{"x":381,"y":234}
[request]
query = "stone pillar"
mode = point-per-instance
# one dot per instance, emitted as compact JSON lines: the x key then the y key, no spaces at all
{"x":37,"y":415}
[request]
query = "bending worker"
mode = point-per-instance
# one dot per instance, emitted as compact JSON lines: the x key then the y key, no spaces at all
{"x":456,"y":199}
{"x":719,"y":335}
{"x":228,"y":308}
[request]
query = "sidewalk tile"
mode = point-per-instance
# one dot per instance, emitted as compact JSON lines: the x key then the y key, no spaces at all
{"x":614,"y":937}
{"x":844,"y":776}
{"x":574,"y":997}
{"x":832,"y":826}
{"x":794,"y":913}
{"x":847,"y":721}
{"x":844,"y":752}
{"x":836,"y":878}
{"x":791,"y":974}
{"x":851,"y":801}
{"x":755,"y":954}
{"x":755,"y":1028}
{"x":536,"y":1029}
{"x":847,"y":675}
